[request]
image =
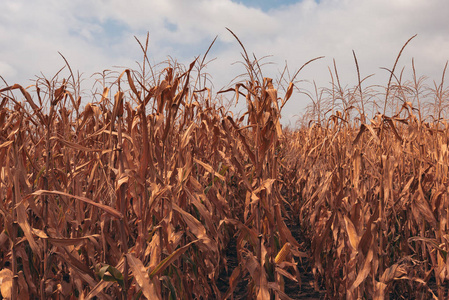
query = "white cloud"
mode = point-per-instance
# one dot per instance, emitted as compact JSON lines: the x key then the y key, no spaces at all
{"x":6,"y":70}
{"x":95,"y":35}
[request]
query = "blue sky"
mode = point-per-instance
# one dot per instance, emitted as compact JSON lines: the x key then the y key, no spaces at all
{"x":99,"y":34}
{"x":266,"y":5}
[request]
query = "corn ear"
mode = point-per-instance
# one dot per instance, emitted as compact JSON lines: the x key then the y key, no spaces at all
{"x":280,"y":257}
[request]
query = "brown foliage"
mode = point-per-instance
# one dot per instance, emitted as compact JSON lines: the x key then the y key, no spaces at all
{"x":138,"y":193}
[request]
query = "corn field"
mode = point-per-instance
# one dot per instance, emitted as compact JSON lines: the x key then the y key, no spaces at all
{"x":140,"y":193}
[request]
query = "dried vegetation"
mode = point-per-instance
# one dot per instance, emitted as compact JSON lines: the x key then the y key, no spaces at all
{"x":140,"y":192}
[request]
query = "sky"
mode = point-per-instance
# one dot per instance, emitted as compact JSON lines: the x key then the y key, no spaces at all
{"x":94,"y":35}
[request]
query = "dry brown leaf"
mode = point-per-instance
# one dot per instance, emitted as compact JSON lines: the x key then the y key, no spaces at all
{"x":6,"y":144}
{"x":113,"y":212}
{"x":169,"y":260}
{"x":209,"y":169}
{"x":186,"y":136}
{"x":23,"y":223}
{"x":143,"y":279}
{"x":364,"y":272}
{"x":6,"y":283}
{"x":263,"y":288}
{"x":289,"y":92}
{"x":354,"y":238}
{"x":77,"y":146}
{"x":63,"y":241}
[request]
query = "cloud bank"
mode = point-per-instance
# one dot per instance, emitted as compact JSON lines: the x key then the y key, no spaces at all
{"x":97,"y":35}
